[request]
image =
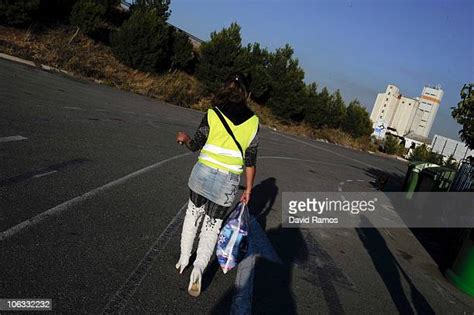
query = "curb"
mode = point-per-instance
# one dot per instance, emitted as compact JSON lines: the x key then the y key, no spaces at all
{"x":33,"y":64}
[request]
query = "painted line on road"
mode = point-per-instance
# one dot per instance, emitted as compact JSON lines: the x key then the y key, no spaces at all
{"x":121,"y":298}
{"x":44,"y":174}
{"x":77,"y":200}
{"x":301,"y":160}
{"x":72,"y":107}
{"x":327,"y":150}
{"x":12,"y":138}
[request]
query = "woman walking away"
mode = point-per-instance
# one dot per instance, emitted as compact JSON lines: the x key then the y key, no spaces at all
{"x":227,"y":138}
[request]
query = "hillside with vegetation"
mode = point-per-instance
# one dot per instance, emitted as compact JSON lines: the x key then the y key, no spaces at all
{"x":138,"y":51}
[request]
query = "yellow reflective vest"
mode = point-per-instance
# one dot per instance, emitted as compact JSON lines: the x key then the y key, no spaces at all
{"x":220,"y":150}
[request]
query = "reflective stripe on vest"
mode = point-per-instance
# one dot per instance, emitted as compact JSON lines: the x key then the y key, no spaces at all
{"x":220,"y":150}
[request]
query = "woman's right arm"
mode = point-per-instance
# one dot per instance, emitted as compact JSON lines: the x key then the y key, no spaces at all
{"x":199,"y":139}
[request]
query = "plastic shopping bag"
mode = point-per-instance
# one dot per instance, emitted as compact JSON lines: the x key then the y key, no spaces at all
{"x":232,"y":245}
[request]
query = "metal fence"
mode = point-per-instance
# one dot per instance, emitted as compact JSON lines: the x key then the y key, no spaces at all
{"x":464,"y":179}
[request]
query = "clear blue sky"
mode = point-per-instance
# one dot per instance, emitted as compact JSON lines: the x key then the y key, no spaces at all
{"x":356,"y":46}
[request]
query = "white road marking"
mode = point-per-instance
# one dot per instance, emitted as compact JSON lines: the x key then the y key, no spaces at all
{"x":349,"y":180}
{"x":324,"y":149}
{"x":72,"y":107}
{"x":77,"y":200}
{"x":44,"y":174}
{"x":298,"y":159}
{"x":121,"y":298}
{"x":339,"y":188}
{"x":12,"y":138}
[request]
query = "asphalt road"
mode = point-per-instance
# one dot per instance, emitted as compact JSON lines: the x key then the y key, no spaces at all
{"x":91,"y":206}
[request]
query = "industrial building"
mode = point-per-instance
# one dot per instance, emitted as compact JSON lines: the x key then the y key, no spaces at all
{"x":405,"y":116}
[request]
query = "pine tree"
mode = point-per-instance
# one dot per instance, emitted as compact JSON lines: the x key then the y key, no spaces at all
{"x":337,"y":111}
{"x":218,"y":57}
{"x":88,"y":15}
{"x":18,"y":13}
{"x":288,"y":96}
{"x":183,"y":54}
{"x":144,"y":42}
{"x":253,"y":63}
{"x":357,"y":121}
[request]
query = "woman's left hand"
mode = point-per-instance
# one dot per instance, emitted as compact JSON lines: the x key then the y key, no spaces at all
{"x":245,"y":198}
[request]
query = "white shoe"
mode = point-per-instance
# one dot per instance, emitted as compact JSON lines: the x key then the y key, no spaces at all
{"x":194,"y":288}
{"x":190,"y":226}
{"x":207,"y":244}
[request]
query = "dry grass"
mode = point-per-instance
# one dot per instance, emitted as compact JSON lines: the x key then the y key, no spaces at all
{"x":92,"y":60}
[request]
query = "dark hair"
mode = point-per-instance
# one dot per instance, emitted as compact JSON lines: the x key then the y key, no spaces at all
{"x":232,"y":93}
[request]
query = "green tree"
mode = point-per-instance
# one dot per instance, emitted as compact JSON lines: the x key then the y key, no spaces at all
{"x":336,"y":111}
{"x":318,"y":106}
{"x":144,"y":42}
{"x":161,"y":7}
{"x":288,"y":92}
{"x":183,"y":54}
{"x":218,"y":57}
{"x":88,"y":15}
{"x":357,"y":121}
{"x":464,"y":115}
{"x":253,"y":63}
{"x":17,"y":13}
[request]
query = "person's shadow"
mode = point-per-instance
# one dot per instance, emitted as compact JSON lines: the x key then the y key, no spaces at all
{"x":288,"y":244}
{"x":389,"y":269}
{"x":272,"y":291}
{"x":261,"y":202}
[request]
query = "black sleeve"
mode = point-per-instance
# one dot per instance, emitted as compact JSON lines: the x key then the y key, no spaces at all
{"x":251,"y":152}
{"x":200,"y":137}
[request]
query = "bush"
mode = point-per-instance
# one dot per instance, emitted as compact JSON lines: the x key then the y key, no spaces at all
{"x":88,"y":15}
{"x":357,"y":121}
{"x":218,"y":57}
{"x":423,"y":154}
{"x":391,"y":145}
{"x":18,"y":13}
{"x":183,"y":54}
{"x":144,"y":42}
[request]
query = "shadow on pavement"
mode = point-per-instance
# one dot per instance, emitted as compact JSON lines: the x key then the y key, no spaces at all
{"x":442,"y":244}
{"x":263,"y":197}
{"x":390,"y":270}
{"x":272,"y":281}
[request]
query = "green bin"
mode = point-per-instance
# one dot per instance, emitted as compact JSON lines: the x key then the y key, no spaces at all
{"x":435,"y":179}
{"x":412,"y":177}
{"x":462,"y":272}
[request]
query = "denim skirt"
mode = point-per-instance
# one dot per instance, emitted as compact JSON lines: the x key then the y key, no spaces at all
{"x":218,"y":186}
